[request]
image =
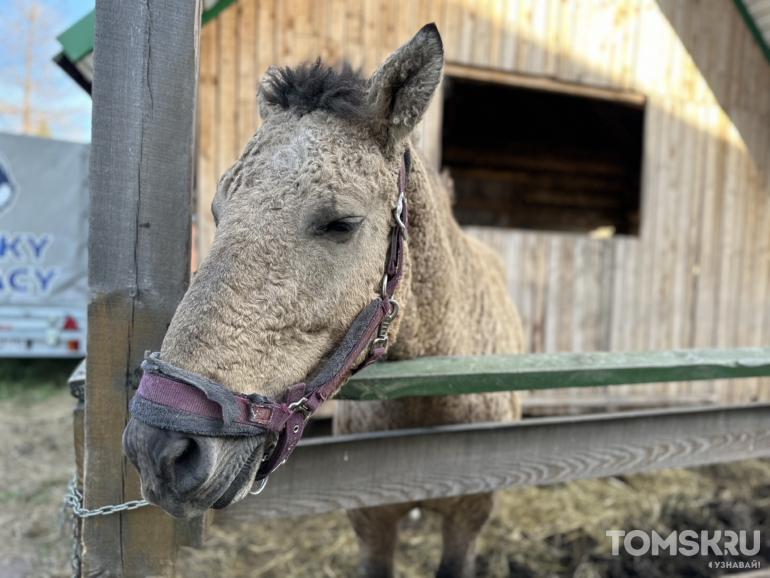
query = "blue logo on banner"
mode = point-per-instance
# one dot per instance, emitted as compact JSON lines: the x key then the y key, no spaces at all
{"x":9,"y":189}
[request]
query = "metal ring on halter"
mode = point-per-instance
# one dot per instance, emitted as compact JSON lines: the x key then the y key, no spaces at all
{"x":398,"y":212}
{"x":384,"y":291}
{"x":261,"y":486}
{"x":382,"y":335}
{"x":393,"y":309}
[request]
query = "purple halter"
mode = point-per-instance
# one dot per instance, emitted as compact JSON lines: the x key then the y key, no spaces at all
{"x":172,"y":398}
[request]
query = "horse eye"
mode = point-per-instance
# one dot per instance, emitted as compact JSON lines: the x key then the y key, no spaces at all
{"x":341,"y":226}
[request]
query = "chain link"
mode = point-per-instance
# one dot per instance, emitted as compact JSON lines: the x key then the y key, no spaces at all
{"x":73,"y":500}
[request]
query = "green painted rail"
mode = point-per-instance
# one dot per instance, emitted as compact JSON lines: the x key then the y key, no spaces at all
{"x":476,"y":374}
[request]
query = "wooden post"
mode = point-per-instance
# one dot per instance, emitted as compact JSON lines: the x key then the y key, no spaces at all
{"x":144,"y":93}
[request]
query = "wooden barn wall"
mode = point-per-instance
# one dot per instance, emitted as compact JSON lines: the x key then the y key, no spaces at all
{"x":699,"y":272}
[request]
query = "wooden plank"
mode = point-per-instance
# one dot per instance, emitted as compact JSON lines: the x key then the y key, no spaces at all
{"x":297,"y":20}
{"x":542,"y":83}
{"x":266,"y":37}
{"x":705,"y":319}
{"x":653,"y":140}
{"x":465,"y":33}
{"x":762,"y":317}
{"x":482,"y":32}
{"x":581,"y":319}
{"x":388,"y":23}
{"x":526,"y":298}
{"x":681,"y":262}
{"x":746,"y":307}
{"x":540,"y":405}
{"x":554,"y":289}
{"x":551,"y":46}
{"x":450,"y":34}
{"x":247,"y":74}
{"x":145,"y":71}
{"x":509,"y":36}
{"x":523,"y":36}
{"x":691,"y":223}
{"x":728,"y":247}
{"x":537,"y":37}
{"x":455,"y":375}
{"x":206,"y":182}
{"x":228,"y":147}
{"x":371,"y":38}
{"x":537,"y":260}
{"x":353,"y":34}
{"x":697,"y":186}
{"x":326,"y":474}
{"x":320,"y":11}
{"x":496,"y":20}
{"x":336,"y":31}
{"x":567,"y":280}
{"x":606,"y":281}
{"x":567,"y":33}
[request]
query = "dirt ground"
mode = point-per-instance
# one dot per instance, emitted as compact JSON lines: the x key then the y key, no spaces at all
{"x":557,"y":531}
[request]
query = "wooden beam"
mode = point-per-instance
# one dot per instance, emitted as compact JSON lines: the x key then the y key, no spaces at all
{"x":545,"y":83}
{"x":542,"y":406}
{"x":144,"y":92}
{"x":475,"y":374}
{"x":326,"y":474}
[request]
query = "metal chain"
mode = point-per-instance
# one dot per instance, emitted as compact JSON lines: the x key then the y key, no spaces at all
{"x":73,"y":499}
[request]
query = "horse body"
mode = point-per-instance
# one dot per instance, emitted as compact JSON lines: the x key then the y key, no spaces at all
{"x":454,"y":303}
{"x":304,"y":220}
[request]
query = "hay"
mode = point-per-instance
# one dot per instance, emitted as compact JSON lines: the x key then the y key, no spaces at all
{"x":537,"y":532}
{"x":36,"y":463}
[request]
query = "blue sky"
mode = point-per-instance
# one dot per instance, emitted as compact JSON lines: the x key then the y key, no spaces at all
{"x":59,"y":102}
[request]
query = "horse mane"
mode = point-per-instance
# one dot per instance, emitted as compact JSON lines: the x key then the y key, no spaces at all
{"x":315,"y":86}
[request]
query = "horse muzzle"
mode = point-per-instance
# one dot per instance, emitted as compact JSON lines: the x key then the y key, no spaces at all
{"x":186,"y":474}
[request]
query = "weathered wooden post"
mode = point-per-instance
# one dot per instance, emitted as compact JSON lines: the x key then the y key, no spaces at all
{"x":144,"y":93}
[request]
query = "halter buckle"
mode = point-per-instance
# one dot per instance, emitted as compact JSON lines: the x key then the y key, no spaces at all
{"x":300,"y":406}
{"x":397,"y":215}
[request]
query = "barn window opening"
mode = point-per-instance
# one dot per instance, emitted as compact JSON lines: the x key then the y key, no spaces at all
{"x":539,"y":159}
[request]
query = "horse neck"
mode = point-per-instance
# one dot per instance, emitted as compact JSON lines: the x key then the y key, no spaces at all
{"x":435,"y":249}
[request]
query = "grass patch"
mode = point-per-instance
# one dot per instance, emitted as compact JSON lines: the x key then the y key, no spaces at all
{"x":34,"y":380}
{"x":9,"y":497}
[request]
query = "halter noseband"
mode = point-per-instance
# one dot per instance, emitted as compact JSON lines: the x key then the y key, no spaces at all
{"x":175,"y":399}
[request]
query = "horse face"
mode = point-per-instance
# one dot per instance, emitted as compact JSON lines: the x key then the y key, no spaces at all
{"x":303,"y":221}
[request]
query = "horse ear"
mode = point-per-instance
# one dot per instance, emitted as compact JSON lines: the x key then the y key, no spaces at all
{"x":263,"y":105}
{"x":401,"y":88}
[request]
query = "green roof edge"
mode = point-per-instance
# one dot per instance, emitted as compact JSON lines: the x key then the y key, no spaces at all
{"x":755,"y":32}
{"x":78,"y":40}
{"x":212,"y":13}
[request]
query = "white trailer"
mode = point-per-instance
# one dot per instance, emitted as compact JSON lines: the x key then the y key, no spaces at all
{"x":43,"y":247}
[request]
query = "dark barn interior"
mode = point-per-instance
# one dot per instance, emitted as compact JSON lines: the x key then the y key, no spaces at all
{"x":534,"y":159}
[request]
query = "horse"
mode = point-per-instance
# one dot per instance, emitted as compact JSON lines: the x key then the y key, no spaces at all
{"x":304,"y":220}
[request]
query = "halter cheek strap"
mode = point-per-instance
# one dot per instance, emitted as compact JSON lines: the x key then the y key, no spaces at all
{"x":175,"y":399}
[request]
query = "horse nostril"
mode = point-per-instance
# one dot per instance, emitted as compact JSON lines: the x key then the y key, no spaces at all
{"x":183,"y":463}
{"x":187,"y":460}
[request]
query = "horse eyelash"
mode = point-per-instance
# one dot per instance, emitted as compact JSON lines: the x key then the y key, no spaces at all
{"x":341,"y":226}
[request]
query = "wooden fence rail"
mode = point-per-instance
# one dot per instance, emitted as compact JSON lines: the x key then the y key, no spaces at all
{"x":476,"y":374}
{"x":327,"y":474}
